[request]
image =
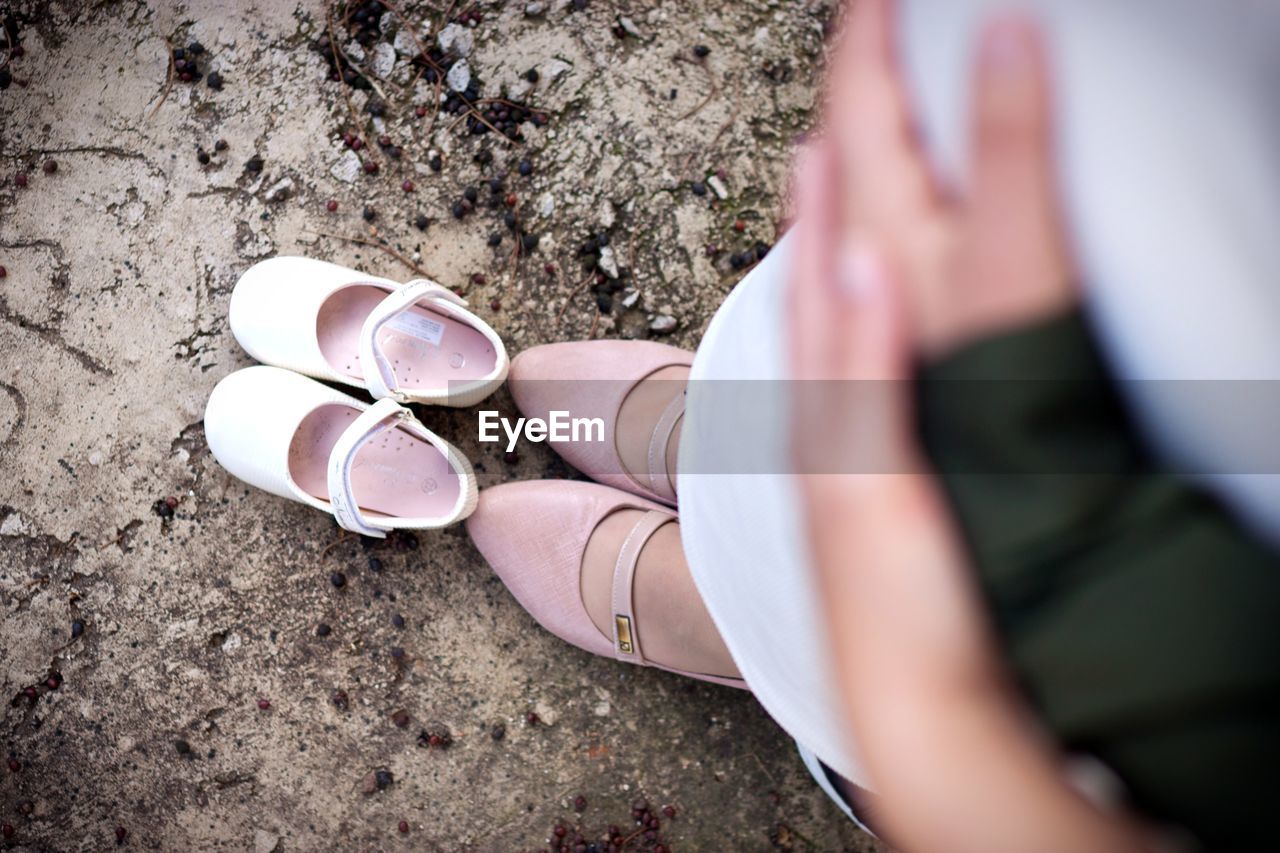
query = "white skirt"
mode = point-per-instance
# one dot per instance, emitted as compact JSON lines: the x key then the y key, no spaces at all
{"x":1169,"y":133}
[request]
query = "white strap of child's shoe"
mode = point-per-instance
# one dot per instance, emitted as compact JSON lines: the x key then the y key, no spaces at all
{"x":381,"y":416}
{"x":379,"y":376}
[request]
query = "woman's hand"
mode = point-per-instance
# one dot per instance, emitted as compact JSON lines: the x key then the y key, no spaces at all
{"x":889,"y":267}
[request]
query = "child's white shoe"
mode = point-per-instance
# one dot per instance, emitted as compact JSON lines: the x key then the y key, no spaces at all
{"x":376,"y":468}
{"x":414,"y":342}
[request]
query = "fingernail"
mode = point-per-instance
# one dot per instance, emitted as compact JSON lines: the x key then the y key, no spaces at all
{"x":856,"y":273}
{"x":1007,"y":47}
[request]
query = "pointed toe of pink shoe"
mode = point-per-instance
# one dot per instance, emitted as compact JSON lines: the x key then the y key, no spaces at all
{"x":591,"y":379}
{"x":533,"y":535}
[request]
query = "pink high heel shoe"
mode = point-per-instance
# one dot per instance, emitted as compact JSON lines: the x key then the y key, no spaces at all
{"x":591,"y":379}
{"x":534,"y":535}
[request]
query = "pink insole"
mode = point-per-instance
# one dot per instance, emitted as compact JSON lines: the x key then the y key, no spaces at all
{"x":394,"y":473}
{"x":427,"y":350}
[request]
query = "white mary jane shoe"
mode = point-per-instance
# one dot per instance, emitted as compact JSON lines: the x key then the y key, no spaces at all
{"x":376,"y":468}
{"x":413,"y":342}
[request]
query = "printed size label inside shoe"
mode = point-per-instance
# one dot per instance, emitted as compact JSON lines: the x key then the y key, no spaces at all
{"x":418,"y":326}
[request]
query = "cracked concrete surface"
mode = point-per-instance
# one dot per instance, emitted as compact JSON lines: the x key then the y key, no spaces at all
{"x":113,"y":331}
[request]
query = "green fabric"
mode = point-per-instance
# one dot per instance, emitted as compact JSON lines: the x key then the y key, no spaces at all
{"x":1141,"y":618}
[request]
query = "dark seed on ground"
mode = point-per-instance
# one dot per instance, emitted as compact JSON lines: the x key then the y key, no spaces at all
{"x":77,"y":628}
{"x":531,"y":75}
{"x":397,"y":652}
{"x":370,"y":167}
{"x":323,"y":630}
{"x":369,"y":214}
{"x":458,"y":210}
{"x":7,"y":830}
{"x":3,"y":272}
{"x":338,"y":579}
{"x":54,"y":681}
{"x":400,"y":718}
{"x":14,"y":765}
{"x":604,"y":302}
{"x":495,"y":304}
{"x":511,"y":458}
{"x":403,"y":826}
{"x":340,"y":700}
{"x":220,"y":145}
{"x":529,"y":242}
{"x":20,"y":179}
{"x":495,"y":239}
{"x":498,"y":732}
{"x":254,"y":164}
{"x":699,"y":188}
{"x":264,"y":705}
{"x":375,"y":564}
{"x":669,"y":811}
{"x":420,"y":111}
{"x":435,"y":164}
{"x":477,"y":278}
{"x":397,"y":620}
{"x":214,"y":81}
{"x":421,"y":222}
{"x":701,"y":51}
{"x":383,"y":778}
{"x":579,"y":803}
{"x":182,"y":747}
{"x":531,"y":718}
{"x":407,"y":186}
{"x":525,"y":168}
{"x":50,"y":166}
{"x":331,"y":205}
{"x":470,"y":194}
{"x":195,"y":48}
{"x":202,"y":156}
{"x":739,"y":226}
{"x":384,"y":141}
{"x":121,"y":834}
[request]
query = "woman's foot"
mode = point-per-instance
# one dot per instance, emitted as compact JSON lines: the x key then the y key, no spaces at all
{"x":635,"y":387}
{"x":603,"y":570}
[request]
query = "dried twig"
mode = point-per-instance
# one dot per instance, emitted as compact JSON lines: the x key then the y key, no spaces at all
{"x":715,"y":90}
{"x":168,"y":80}
{"x":377,"y":244}
{"x":338,"y":56}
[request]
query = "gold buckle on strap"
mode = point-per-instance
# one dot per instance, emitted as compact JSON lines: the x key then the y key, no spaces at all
{"x":622,"y":625}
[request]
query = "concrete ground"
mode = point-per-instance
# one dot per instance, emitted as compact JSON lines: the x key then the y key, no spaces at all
{"x":136,"y":646}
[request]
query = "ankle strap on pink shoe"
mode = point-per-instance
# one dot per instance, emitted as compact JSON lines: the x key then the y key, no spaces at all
{"x":659,"y":478}
{"x":626,"y":636}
